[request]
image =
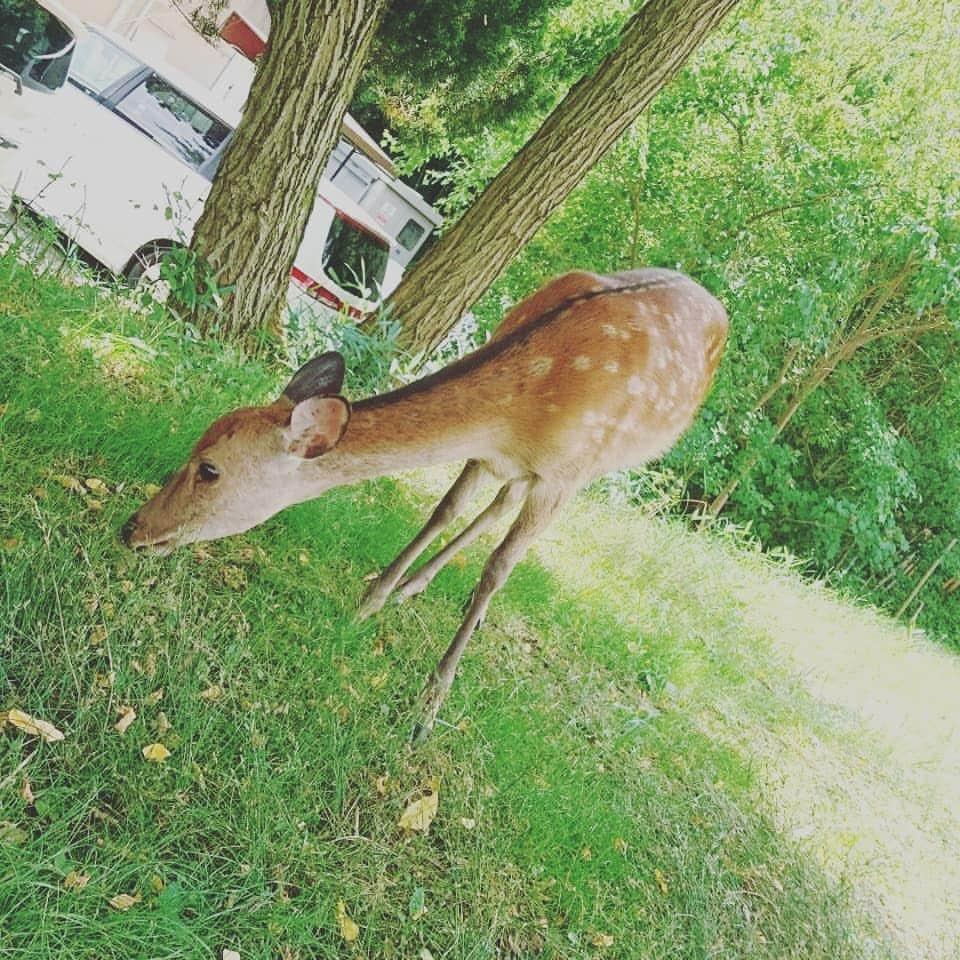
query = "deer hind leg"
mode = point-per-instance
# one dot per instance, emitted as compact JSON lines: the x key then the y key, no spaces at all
{"x":447,"y":510}
{"x":506,"y":499}
{"x":541,"y":505}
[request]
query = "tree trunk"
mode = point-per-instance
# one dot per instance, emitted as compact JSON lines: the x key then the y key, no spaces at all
{"x":455,"y":273}
{"x":256,"y":213}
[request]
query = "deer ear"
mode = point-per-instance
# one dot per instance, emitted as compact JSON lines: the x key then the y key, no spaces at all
{"x":316,"y":426}
{"x":320,"y":377}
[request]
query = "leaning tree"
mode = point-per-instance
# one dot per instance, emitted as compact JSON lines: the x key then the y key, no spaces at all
{"x":255,"y":215}
{"x":454,"y":274}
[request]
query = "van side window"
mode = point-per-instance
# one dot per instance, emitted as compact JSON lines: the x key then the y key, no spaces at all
{"x":176,"y":123}
{"x":410,"y":235}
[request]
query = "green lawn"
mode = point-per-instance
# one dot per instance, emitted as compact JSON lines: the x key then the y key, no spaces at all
{"x":660,"y":745}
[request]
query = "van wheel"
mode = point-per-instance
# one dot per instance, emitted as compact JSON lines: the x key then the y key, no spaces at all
{"x":143,"y":272}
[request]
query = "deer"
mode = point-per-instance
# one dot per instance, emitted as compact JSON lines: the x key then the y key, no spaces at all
{"x":588,"y":375}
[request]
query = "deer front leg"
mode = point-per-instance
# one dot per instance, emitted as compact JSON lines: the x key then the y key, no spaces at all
{"x":506,"y":499}
{"x":447,"y":510}
{"x":538,"y":510}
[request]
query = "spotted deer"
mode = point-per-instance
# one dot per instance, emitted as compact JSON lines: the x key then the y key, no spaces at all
{"x":588,"y":375}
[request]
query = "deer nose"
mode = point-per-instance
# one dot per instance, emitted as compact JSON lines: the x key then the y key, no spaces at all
{"x":128,"y":529}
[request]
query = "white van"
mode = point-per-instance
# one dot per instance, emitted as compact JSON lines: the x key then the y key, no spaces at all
{"x":124,"y":168}
{"x":37,"y":40}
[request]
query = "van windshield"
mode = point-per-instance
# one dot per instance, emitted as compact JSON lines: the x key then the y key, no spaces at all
{"x":173,"y":120}
{"x":34,"y":44}
{"x":98,"y":63}
{"x":354,"y":258}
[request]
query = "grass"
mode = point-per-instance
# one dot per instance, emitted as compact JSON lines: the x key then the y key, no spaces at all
{"x":640,"y":757}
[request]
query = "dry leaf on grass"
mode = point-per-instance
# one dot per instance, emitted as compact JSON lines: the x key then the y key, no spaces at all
{"x":127,"y":716}
{"x":602,"y":940}
{"x":69,"y":483}
{"x":11,"y":833}
{"x":155,"y":753}
{"x":468,"y":823}
{"x":97,"y":486}
{"x":662,"y":881}
{"x":229,"y":954}
{"x":419,"y":815}
{"x":75,"y":880}
{"x":32,"y":725}
{"x":348,"y":929}
{"x":123,"y":901}
{"x":211,"y":693}
{"x":26,"y":791}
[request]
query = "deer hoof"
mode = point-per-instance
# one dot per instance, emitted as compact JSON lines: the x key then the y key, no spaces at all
{"x":431,"y":700}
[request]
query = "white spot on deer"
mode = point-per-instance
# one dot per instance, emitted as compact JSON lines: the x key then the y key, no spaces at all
{"x":637,"y":386}
{"x":611,"y":366}
{"x":540,"y":367}
{"x":615,"y":333}
{"x":582,"y":363}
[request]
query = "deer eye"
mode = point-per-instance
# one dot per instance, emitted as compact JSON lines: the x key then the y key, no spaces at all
{"x":207,"y":472}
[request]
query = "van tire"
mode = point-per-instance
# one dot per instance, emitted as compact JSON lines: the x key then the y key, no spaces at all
{"x":143,"y":271}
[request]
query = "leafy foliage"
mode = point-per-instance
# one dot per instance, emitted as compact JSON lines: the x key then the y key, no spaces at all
{"x":804,"y":175}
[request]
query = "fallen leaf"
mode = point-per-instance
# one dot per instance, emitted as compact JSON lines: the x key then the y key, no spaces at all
{"x":662,"y":881}
{"x":211,"y":693}
{"x":419,"y":814}
{"x":162,"y":723}
{"x":602,"y":940}
{"x":156,"y":884}
{"x":123,"y":901}
{"x":151,"y":489}
{"x":425,"y":954}
{"x":11,"y":833}
{"x":75,"y":881}
{"x":95,"y":505}
{"x":620,"y":845}
{"x":97,"y":486}
{"x":154,"y":697}
{"x":69,"y":483}
{"x":98,"y":636}
{"x":468,"y":823}
{"x":234,"y":577}
{"x":348,"y":929}
{"x":11,"y":543}
{"x":229,"y":955}
{"x":303,"y":558}
{"x":127,"y":716}
{"x":381,"y":785}
{"x":155,"y":753}
{"x":32,"y":725}
{"x":586,"y":854}
{"x":127,"y":586}
{"x":26,"y":791}
{"x":379,"y":680}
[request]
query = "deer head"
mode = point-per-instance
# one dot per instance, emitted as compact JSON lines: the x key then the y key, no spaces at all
{"x":244,"y":468}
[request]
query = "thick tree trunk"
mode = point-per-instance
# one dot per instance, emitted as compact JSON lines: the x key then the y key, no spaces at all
{"x":471,"y":255}
{"x":256,"y":213}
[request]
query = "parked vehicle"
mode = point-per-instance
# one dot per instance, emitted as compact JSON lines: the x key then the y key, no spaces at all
{"x":124,"y":168}
{"x":37,"y":40}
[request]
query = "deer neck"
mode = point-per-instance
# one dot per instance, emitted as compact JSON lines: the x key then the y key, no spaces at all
{"x":426,"y":423}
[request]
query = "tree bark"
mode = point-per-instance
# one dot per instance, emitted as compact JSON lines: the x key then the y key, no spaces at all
{"x":256,"y":212}
{"x":456,"y":272}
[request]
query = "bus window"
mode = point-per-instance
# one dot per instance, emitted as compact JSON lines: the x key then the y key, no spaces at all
{"x":354,"y":258}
